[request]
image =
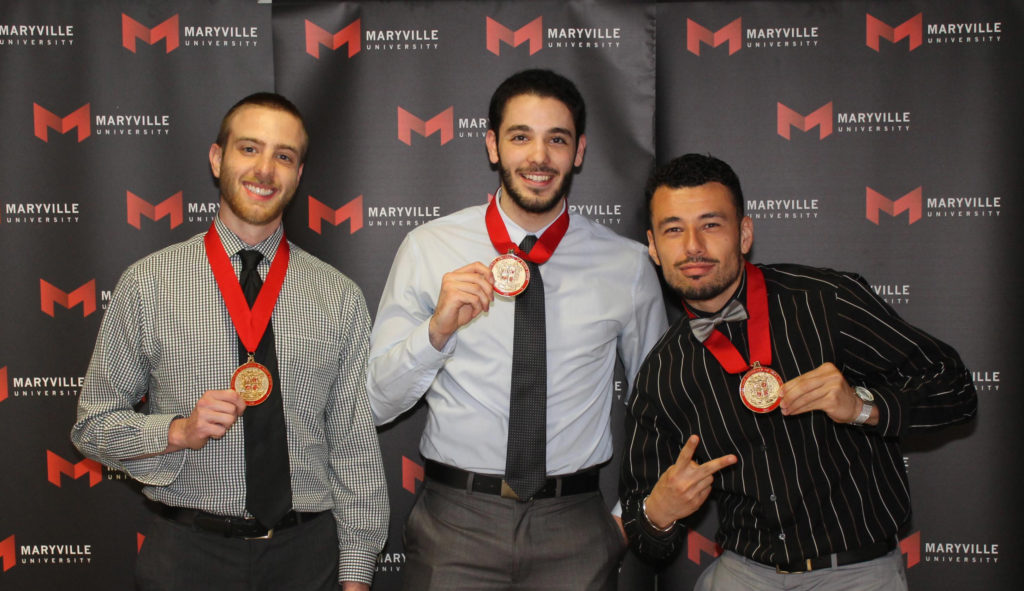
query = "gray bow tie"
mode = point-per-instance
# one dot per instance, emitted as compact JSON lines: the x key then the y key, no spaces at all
{"x":702,"y":327}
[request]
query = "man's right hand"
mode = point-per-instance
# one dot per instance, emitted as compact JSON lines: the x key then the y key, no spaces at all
{"x":465,"y":293}
{"x":212,"y":416}
{"x":684,"y":487}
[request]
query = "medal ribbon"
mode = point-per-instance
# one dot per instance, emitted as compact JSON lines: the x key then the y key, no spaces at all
{"x":757,"y":329}
{"x":250,"y":324}
{"x":541,"y":251}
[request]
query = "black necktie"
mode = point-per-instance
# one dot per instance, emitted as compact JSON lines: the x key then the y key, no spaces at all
{"x":526,"y":461}
{"x":267,"y":475}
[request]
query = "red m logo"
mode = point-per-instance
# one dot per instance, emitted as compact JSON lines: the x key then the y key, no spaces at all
{"x":532,"y":32}
{"x":912,"y":29}
{"x":353,"y":211}
{"x":696,"y":34}
{"x":7,"y":555}
{"x":56,"y":465}
{"x":789,"y":118}
{"x":132,"y":30}
{"x":877,"y":202}
{"x":138,"y":207}
{"x":443,"y":122}
{"x":697,"y":544}
{"x":411,"y":473}
{"x":43,"y":119}
{"x":911,"y":546}
{"x":3,"y":383}
{"x":315,"y":37}
{"x":50,"y":295}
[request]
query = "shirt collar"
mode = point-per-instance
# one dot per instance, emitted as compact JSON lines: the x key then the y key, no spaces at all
{"x":232,"y":243}
{"x":515,"y":232}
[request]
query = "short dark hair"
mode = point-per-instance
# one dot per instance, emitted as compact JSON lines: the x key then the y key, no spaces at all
{"x":694,"y":170}
{"x":271,"y":100}
{"x":542,"y":83}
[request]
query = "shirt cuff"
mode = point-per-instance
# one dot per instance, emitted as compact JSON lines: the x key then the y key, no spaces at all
{"x":157,"y":470}
{"x":356,"y":565}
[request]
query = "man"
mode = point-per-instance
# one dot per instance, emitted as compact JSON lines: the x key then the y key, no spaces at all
{"x":518,"y":404}
{"x":273,"y":482}
{"x":785,"y":396}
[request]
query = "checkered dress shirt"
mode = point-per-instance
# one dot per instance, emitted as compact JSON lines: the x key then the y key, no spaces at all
{"x":167,"y":336}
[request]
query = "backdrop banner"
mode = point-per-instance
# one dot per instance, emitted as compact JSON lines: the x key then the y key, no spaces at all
{"x":875,"y":137}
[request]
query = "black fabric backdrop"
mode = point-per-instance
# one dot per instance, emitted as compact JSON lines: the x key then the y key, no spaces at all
{"x":870,"y":136}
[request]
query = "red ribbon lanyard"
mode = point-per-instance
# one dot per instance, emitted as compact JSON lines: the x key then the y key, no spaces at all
{"x":758,"y":335}
{"x":541,"y":251}
{"x":250,"y":324}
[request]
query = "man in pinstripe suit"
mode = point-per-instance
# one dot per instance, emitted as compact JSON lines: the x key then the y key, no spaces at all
{"x":784,"y":393}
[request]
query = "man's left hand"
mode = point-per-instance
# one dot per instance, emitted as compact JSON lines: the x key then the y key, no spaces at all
{"x":824,"y":389}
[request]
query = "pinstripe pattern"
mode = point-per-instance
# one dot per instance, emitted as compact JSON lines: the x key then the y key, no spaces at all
{"x":167,"y":334}
{"x":804,"y":485}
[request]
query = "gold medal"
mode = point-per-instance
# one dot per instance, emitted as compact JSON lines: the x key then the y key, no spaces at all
{"x":760,"y":389}
{"x":252,"y":381}
{"x":511,"y":274}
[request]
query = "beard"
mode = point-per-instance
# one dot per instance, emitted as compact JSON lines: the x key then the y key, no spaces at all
{"x":708,"y":291}
{"x":534,"y":206}
{"x":249,"y":212}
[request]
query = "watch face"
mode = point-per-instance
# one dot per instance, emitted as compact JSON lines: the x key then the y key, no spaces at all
{"x":864,"y":394}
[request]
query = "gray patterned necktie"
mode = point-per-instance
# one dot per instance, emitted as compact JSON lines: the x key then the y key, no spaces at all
{"x":526,"y":460}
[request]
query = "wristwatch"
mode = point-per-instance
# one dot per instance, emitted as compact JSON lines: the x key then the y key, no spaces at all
{"x":867,"y":398}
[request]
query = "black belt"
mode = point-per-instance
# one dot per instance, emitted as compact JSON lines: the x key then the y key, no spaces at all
{"x":232,"y":527}
{"x":555,"y":486}
{"x":862,"y":554}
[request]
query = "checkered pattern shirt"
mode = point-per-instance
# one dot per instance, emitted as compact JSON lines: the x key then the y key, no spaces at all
{"x":167,"y":336}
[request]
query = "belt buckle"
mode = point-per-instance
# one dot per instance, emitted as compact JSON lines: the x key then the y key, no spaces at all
{"x":507,"y":492}
{"x":266,"y":536}
{"x":779,"y":571}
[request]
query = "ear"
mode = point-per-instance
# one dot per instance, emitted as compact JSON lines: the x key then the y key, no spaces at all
{"x":581,"y":147}
{"x":651,"y":249}
{"x":301,"y":167}
{"x":491,"y":139}
{"x":216,"y":154}
{"x":746,"y":234}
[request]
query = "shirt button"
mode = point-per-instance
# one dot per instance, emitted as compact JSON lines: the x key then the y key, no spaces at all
{"x":773,"y":498}
{"x":782,"y":537}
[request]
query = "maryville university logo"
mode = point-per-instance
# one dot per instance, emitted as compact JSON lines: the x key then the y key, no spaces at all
{"x":132,"y":31}
{"x":531,"y":33}
{"x":443,"y":124}
{"x":911,"y":203}
{"x":57,"y":466}
{"x":171,"y":208}
{"x":320,"y":212}
{"x":698,"y":545}
{"x":820,"y":118}
{"x":43,"y":554}
{"x":731,"y":33}
{"x":44,"y":120}
{"x":49,"y":295}
{"x":317,"y":37}
{"x":912,"y":30}
{"x":916,"y":32}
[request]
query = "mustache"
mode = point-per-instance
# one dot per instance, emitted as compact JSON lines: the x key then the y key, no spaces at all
{"x":537,"y":169}
{"x":691,"y":260}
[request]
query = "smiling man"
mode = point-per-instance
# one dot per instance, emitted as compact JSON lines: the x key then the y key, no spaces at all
{"x":783,"y":393}
{"x":508,"y":318}
{"x":255,"y":442}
